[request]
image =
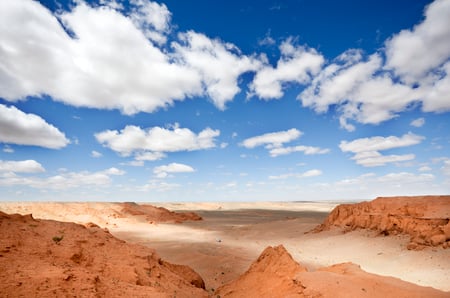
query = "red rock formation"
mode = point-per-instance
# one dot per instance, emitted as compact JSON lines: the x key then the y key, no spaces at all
{"x":276,"y":274}
{"x":45,"y":258}
{"x":157,"y":214}
{"x":424,"y":218}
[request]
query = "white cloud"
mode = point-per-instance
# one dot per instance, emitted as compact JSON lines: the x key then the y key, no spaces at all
{"x":446,"y":167}
{"x":39,"y":57}
{"x":113,"y":171}
{"x":310,"y":173}
{"x":164,"y":170}
{"x":159,"y":186}
{"x":272,"y":140}
{"x":64,"y":180}
{"x":156,"y":140}
{"x":338,"y":80}
{"x":149,"y":156}
{"x":152,"y":18}
{"x":360,"y":94}
{"x":133,"y":163}
{"x":436,"y":92}
{"x":405,"y":178}
{"x":419,"y":122}
{"x":23,"y":166}
{"x":297,"y":64}
{"x":425,"y":169}
{"x":308,"y":150}
{"x":369,"y":92}
{"x":28,"y":129}
{"x":8,"y":149}
{"x":370,"y":185}
{"x":96,"y":154}
{"x":413,"y":53}
{"x":267,"y":40}
{"x":375,"y":159}
{"x":274,"y":143}
{"x":380,"y":143}
{"x":219,"y":64}
{"x":366,"y":149}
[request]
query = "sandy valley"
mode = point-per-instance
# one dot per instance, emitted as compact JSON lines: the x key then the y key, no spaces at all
{"x":221,"y":241}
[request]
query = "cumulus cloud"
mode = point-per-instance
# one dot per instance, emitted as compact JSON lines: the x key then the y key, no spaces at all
{"x":361,"y":95}
{"x":152,"y":143}
{"x":87,"y":67}
{"x":23,"y":166}
{"x":419,"y":122}
{"x":164,"y":170}
{"x":414,"y":53}
{"x":219,"y":64}
{"x":369,"y":91}
{"x":64,"y":180}
{"x":297,"y":64}
{"x":152,"y":18}
{"x":366,"y":150}
{"x":88,"y":70}
{"x":273,"y":139}
{"x":21,"y":128}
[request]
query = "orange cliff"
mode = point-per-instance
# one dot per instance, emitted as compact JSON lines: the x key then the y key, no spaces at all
{"x":425,"y":218}
{"x":46,"y":258}
{"x":276,"y":274}
{"x":157,"y":214}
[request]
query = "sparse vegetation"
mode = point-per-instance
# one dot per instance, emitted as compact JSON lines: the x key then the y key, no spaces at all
{"x":57,"y":239}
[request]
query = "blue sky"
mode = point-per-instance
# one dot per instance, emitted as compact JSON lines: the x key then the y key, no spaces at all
{"x":223,"y":100}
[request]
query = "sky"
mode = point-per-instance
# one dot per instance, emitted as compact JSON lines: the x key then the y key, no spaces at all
{"x":298,"y":100}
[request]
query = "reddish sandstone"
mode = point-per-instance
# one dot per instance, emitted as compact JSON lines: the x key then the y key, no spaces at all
{"x":275,"y":274}
{"x":424,"y":218}
{"x":46,"y":258}
{"x":155,"y":214}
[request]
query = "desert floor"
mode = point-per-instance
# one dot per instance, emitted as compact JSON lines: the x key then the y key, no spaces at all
{"x":232,"y":235}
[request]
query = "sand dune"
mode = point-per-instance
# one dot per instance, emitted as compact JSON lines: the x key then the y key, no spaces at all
{"x":231,"y":236}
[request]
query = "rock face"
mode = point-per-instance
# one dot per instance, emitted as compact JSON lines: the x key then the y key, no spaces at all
{"x":276,"y":274}
{"x":157,"y":214}
{"x":425,"y":219}
{"x":45,"y":258}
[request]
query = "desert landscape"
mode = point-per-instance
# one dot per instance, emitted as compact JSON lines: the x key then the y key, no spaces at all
{"x":388,"y":247}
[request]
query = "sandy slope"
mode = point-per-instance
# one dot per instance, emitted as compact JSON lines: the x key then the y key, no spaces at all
{"x":276,"y":274}
{"x":231,"y":236}
{"x":45,"y":258}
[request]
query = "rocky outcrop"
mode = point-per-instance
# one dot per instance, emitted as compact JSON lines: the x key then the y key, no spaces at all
{"x":275,"y":274}
{"x":424,"y":218}
{"x":45,"y":258}
{"x":155,"y":214}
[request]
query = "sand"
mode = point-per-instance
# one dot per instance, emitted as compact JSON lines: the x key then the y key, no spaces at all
{"x":231,"y":236}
